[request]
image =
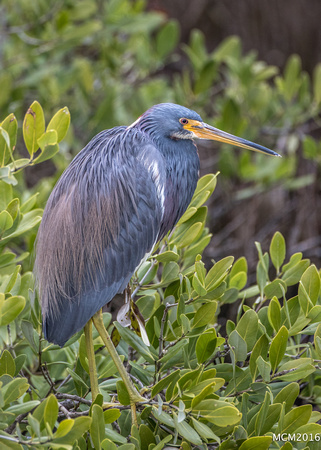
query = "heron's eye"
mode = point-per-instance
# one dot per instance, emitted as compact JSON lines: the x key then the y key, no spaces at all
{"x":183,"y":121}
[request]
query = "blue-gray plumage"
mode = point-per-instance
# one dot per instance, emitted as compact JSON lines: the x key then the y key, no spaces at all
{"x":120,"y":195}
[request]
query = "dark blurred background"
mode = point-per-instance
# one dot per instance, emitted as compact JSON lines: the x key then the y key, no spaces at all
{"x":274,"y":29}
{"x":249,"y":67}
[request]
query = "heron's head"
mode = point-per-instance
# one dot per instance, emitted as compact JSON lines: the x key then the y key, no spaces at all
{"x":170,"y":121}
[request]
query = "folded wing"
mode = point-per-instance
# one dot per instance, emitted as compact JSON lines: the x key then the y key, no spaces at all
{"x":102,"y":218}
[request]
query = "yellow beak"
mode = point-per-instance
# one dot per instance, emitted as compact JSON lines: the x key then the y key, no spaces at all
{"x":202,"y":130}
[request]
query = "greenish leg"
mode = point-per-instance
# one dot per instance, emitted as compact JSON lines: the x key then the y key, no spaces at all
{"x":91,"y":360}
{"x":134,"y":395}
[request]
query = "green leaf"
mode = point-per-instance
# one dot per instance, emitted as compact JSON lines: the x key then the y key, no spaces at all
{"x":292,"y":275}
{"x":205,"y":187}
{"x":247,"y":328}
{"x":29,"y":333}
{"x":111,"y":415}
{"x":97,"y":426}
{"x":240,"y":265}
{"x":291,"y":80}
{"x":313,"y":431}
{"x":205,"y":345}
{"x":272,"y":416}
{"x":218,"y":412}
{"x":29,"y":203}
{"x":63,"y":428}
{"x":296,"y":418}
{"x":230,"y":48}
{"x":35,"y":426}
{"x":51,"y":411}
{"x":77,"y":378}
{"x":204,"y":431}
{"x":264,"y":368}
{"x":5,"y":195}
{"x":190,"y":235}
{"x":174,"y":354}
{"x":238,"y":281}
{"x":262,"y":414}
{"x":14,"y":389}
{"x":5,"y":136}
{"x":22,"y":408}
{"x":260,"y":349}
{"x":208,"y":390}
{"x":167,"y":256}
{"x":13,"y":208}
{"x":11,"y":308}
{"x":107,"y":444}
{"x":146,"y":435}
{"x":13,"y":280}
{"x":48,"y":138}
{"x":164,"y":382}
{"x":205,"y":77}
{"x":205,"y":315}
{"x":170,"y":273}
{"x":33,"y":127}
{"x":28,"y":221}
{"x":161,"y":444}
{"x":257,"y":443}
{"x":122,"y":393}
{"x":236,"y":341}
{"x":10,"y":125}
{"x":198,"y":286}
{"x":7,"y":443}
{"x":6,"y":221}
{"x":186,"y":431}
{"x":163,"y":417}
{"x":274,"y":313}
{"x":218,"y":272}
{"x":278,"y":347}
{"x":167,"y":38}
{"x":288,"y":395}
{"x":7,"y":364}
{"x":7,"y":258}
{"x":39,"y":415}
{"x":277,"y":250}
{"x":191,"y":210}
{"x":303,"y":368}
{"x":136,"y":342}
{"x":78,"y":427}
{"x":60,"y":123}
{"x":276,"y":288}
{"x":309,"y":288}
{"x":48,"y":152}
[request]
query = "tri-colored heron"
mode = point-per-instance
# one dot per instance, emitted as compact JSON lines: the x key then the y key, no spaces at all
{"x":119,"y":196}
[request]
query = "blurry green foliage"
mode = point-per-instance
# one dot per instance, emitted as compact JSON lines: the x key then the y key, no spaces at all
{"x":110,"y":61}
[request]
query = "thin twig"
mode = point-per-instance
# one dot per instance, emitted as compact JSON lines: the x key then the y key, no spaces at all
{"x":64,"y":382}
{"x":47,"y":377}
{"x":65,"y":411}
{"x":136,"y":380}
{"x":171,"y":344}
{"x":10,"y":429}
{"x":76,"y":398}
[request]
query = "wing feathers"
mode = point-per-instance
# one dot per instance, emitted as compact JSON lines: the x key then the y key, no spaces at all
{"x":102,"y":217}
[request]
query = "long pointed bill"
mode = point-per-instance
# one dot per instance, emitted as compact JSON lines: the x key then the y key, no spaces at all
{"x":202,"y":130}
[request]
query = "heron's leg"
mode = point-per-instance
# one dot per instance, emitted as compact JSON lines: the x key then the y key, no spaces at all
{"x":134,"y":395}
{"x":91,"y":360}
